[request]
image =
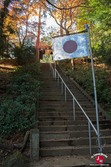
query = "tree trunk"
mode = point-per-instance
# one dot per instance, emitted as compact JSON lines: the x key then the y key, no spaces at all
{"x":38,"y":36}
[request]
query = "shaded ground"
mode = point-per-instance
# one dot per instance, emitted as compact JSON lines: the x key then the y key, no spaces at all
{"x":67,"y":161}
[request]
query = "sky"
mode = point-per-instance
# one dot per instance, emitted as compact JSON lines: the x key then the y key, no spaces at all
{"x":51,"y":22}
{"x":50,"y":25}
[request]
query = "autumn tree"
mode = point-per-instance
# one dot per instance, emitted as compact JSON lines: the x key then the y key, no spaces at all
{"x":4,"y":4}
{"x":17,"y":22}
{"x":65,"y":13}
{"x":24,"y":21}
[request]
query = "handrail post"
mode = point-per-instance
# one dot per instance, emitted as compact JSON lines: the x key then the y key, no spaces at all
{"x":65,"y":94}
{"x":61,"y":87}
{"x":58,"y":79}
{"x":90,"y":144}
{"x":53,"y":72}
{"x":74,"y":109}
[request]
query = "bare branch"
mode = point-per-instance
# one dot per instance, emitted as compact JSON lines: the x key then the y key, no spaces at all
{"x":82,"y":5}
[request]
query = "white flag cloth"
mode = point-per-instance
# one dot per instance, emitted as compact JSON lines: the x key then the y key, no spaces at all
{"x":70,"y":46}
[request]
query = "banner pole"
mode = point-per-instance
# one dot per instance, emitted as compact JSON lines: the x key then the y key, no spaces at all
{"x":95,"y":92}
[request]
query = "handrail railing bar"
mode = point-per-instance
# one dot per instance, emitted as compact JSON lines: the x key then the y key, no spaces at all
{"x":77,"y":103}
{"x":74,"y":115}
{"x":90,"y":124}
{"x":53,"y":71}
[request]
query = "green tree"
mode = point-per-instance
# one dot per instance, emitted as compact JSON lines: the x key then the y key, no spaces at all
{"x":98,"y":15}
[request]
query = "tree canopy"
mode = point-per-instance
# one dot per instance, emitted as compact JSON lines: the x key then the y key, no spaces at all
{"x":98,"y":15}
{"x":21,"y":22}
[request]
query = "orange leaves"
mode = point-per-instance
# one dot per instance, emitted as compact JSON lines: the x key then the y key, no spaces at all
{"x":1,"y":5}
{"x":20,"y":23}
{"x":67,"y":16}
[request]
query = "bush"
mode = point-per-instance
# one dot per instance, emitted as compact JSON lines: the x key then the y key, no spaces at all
{"x":83,"y":75}
{"x":18,"y":106}
{"x":25,"y":55}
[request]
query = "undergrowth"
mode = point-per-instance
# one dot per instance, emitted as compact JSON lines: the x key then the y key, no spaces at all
{"x":18,"y":104}
{"x":82,"y":74}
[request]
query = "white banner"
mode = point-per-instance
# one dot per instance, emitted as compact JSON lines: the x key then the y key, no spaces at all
{"x":70,"y":46}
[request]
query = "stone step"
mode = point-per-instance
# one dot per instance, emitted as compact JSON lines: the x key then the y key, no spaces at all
{"x":64,"y":109}
{"x":71,"y":150}
{"x":51,"y":99}
{"x":68,"y":107}
{"x":60,"y":122}
{"x":58,"y":93}
{"x":67,"y":117}
{"x":53,"y":96}
{"x":71,"y":134}
{"x":62,"y":128}
{"x":59,"y":134}
{"x":63,"y":103}
{"x":60,"y":113}
{"x":54,"y":91}
{"x":47,"y":113}
{"x":68,"y":114}
{"x":62,"y":151}
{"x":73,"y":141}
{"x":68,"y":127}
{"x":56,"y":86}
{"x":42,"y":118}
{"x":69,"y":122}
{"x":65,"y":112}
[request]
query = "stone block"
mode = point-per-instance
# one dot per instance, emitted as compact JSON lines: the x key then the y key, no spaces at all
{"x":34,"y":144}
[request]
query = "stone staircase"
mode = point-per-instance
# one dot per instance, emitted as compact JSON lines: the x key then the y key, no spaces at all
{"x":60,"y":135}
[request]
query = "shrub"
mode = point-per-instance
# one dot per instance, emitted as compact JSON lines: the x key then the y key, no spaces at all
{"x":83,"y":75}
{"x":25,"y":55}
{"x":18,"y":106}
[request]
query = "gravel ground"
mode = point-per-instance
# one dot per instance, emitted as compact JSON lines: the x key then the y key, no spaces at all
{"x":66,"y":161}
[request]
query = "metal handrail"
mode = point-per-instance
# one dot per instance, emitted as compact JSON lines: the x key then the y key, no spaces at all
{"x":90,"y":124}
